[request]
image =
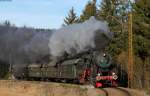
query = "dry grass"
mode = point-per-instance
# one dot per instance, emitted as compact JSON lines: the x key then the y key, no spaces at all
{"x":28,"y":88}
{"x":24,"y":88}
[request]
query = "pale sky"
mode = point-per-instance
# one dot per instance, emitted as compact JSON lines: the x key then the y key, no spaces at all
{"x":39,"y":13}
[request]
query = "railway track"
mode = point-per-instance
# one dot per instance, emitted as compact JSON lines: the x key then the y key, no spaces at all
{"x":105,"y":92}
{"x":127,"y":93}
{"x":115,"y":92}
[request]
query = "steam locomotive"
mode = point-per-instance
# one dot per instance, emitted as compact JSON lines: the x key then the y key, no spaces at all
{"x":95,"y":69}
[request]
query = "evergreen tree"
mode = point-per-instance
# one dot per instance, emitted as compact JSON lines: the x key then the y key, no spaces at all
{"x":3,"y":69}
{"x":7,"y":23}
{"x":71,"y":18}
{"x":90,"y":10}
{"x":141,"y":30}
{"x":109,"y":10}
{"x":114,"y":12}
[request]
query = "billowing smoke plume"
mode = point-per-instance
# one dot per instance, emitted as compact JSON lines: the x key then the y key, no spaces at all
{"x":76,"y":38}
{"x":24,"y":45}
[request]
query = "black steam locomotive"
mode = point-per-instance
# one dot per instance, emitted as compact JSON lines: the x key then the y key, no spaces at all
{"x":89,"y":68}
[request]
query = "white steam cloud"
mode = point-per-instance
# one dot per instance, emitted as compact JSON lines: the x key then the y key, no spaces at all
{"x":77,"y":38}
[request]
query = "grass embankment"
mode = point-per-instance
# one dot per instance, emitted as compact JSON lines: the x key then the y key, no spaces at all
{"x":31,"y":88}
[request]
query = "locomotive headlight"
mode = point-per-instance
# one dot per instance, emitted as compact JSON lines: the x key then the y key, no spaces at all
{"x":113,"y":73}
{"x":98,"y":77}
{"x":115,"y":77}
{"x":98,"y":74}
